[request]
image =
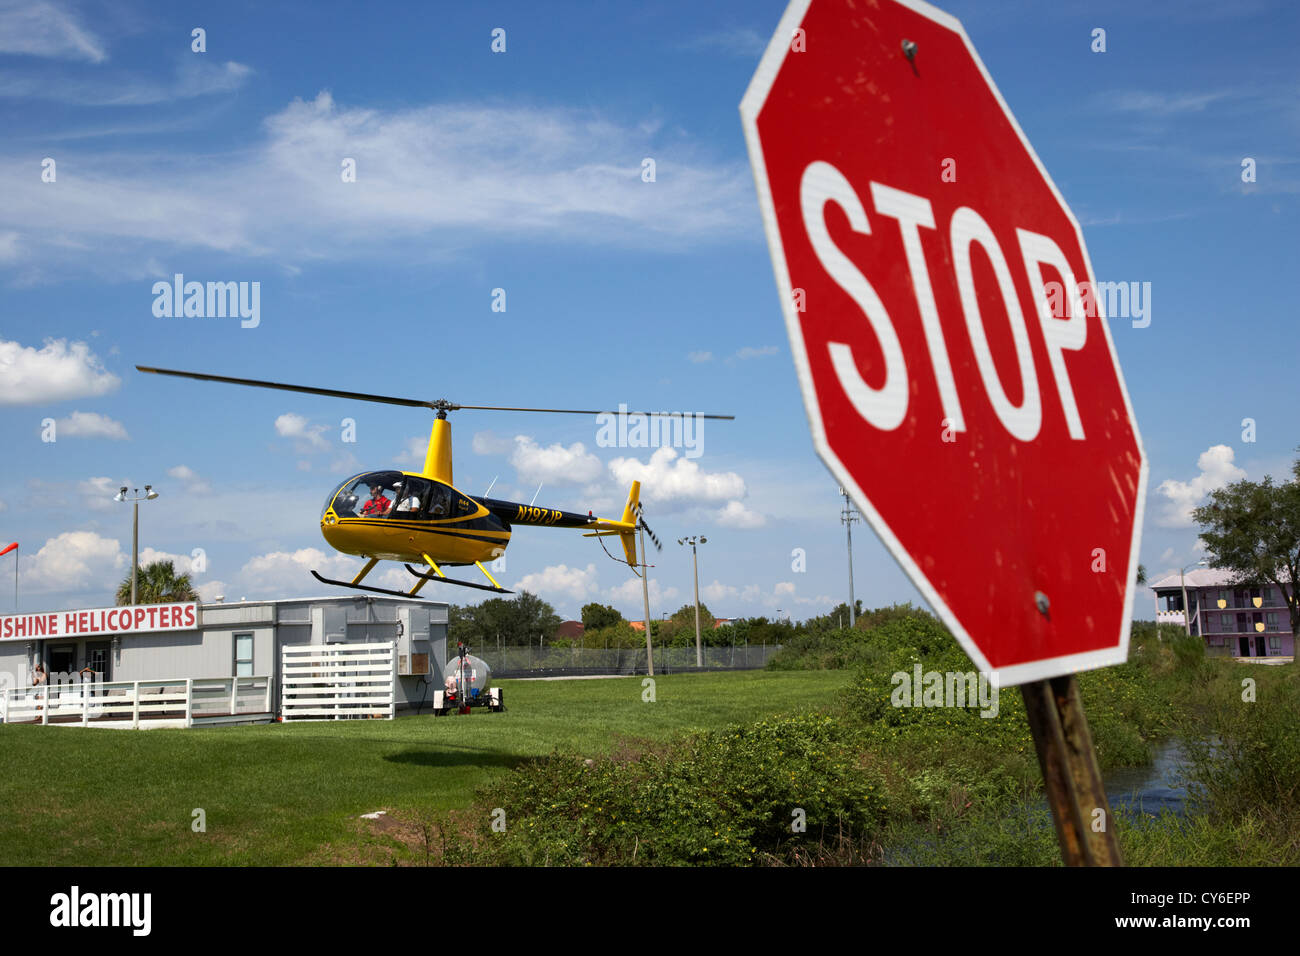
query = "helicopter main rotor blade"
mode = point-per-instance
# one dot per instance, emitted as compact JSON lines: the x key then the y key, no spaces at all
{"x":441,"y":404}
{"x":332,"y":392}
{"x":584,"y":411}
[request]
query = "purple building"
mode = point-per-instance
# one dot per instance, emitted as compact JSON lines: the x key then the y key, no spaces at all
{"x":1235,"y":621}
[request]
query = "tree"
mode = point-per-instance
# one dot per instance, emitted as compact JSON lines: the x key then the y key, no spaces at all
{"x":597,"y":616}
{"x":1142,"y":574}
{"x":1252,"y":529}
{"x":685,"y":616}
{"x":516,"y":622}
{"x":157,"y":583}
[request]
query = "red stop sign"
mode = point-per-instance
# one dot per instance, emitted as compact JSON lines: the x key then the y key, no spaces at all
{"x":957,"y":370}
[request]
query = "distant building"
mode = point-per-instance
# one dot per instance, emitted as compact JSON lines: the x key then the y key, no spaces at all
{"x":570,"y":630}
{"x":1234,"y":621}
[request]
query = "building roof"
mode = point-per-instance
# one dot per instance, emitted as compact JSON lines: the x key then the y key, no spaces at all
{"x":333,"y":598}
{"x":1198,"y":578}
{"x":570,"y":629}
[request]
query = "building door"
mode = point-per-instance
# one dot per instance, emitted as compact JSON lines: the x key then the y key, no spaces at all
{"x":1243,"y":647}
{"x":99,"y":660}
{"x":62,"y":659}
{"x":1260,"y":646}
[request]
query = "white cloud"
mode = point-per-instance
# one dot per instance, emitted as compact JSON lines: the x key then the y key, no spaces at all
{"x":1216,"y":470}
{"x":39,"y":28}
{"x":288,"y":573}
{"x":784,"y":595}
{"x":736,"y":515}
{"x":1159,"y":104}
{"x":180,"y":562}
{"x":55,"y":372}
{"x":211,"y":590}
{"x":8,"y":246}
{"x":734,"y":41}
{"x":194,"y":483}
{"x":717,"y":592}
{"x":89,"y":425}
{"x":97,"y":493}
{"x":629,"y":593}
{"x":487,"y":443}
{"x":308,"y":438}
{"x":554,"y":464}
{"x":412,"y":452}
{"x":749,"y":352}
{"x":195,"y":76}
{"x":560,"y":579}
{"x":472,"y":171}
{"x":76,"y":560}
{"x":698,"y":357}
{"x":666,"y":478}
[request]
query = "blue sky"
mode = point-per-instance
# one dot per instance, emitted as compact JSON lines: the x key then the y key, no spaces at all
{"x":521,"y":171}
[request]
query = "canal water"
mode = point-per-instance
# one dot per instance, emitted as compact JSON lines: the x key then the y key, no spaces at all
{"x":1154,"y":788}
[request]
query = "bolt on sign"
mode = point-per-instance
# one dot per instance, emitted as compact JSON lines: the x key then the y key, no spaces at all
{"x":957,"y":369}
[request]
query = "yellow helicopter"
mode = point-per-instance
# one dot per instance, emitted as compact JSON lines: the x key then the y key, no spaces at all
{"x":420,"y":517}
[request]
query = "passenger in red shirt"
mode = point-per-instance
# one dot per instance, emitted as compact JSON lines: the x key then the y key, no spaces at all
{"x":378,"y":504}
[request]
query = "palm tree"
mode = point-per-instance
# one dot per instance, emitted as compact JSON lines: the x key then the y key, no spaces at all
{"x":1142,"y":574}
{"x":158,"y":583}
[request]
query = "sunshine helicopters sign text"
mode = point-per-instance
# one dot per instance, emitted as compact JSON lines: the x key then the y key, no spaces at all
{"x":139,"y":619}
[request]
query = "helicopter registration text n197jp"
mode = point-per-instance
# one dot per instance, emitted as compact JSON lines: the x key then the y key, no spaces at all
{"x":421,"y":518}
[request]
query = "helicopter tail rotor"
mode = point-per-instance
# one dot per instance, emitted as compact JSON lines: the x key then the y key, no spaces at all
{"x":640,"y":521}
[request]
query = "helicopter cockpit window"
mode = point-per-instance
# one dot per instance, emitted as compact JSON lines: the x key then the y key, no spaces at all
{"x":370,"y":496}
{"x":344,"y":504}
{"x":411,"y":496}
{"x":440,"y":502}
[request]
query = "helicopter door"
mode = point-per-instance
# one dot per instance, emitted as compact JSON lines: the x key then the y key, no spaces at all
{"x":411,"y":497}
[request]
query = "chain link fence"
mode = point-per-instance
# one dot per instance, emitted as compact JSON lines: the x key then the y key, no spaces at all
{"x":558,"y":661}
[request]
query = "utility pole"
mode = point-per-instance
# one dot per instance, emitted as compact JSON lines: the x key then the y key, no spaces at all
{"x":847,"y":517}
{"x":692,"y":540}
{"x":645,"y":595}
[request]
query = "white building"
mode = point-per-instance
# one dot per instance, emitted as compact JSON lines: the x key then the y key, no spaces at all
{"x":220,"y":641}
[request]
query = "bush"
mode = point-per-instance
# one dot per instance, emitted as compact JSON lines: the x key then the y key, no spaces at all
{"x":725,"y":797}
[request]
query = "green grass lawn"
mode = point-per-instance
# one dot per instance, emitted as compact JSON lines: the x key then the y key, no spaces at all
{"x":286,"y":794}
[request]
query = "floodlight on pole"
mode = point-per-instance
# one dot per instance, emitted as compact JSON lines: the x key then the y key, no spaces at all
{"x":693,"y":540}
{"x":149,"y":495}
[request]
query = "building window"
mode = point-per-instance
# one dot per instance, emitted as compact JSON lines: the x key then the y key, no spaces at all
{"x":1270,"y":620}
{"x":1267,"y":595}
{"x":1225,"y":598}
{"x":243,"y":655}
{"x":1227,"y":623}
{"x":1275,"y":643}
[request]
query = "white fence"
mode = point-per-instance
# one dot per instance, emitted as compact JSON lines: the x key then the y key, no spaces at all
{"x":337,"y":681}
{"x":142,"y":703}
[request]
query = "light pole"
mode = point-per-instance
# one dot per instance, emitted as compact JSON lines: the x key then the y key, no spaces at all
{"x":695,"y":561}
{"x":847,"y":517}
{"x":149,"y":495}
{"x":1182,"y":582}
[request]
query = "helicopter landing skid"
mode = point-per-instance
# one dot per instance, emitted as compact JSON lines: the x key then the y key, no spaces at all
{"x":438,"y":579}
{"x":404,"y":594}
{"x":362,"y":587}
